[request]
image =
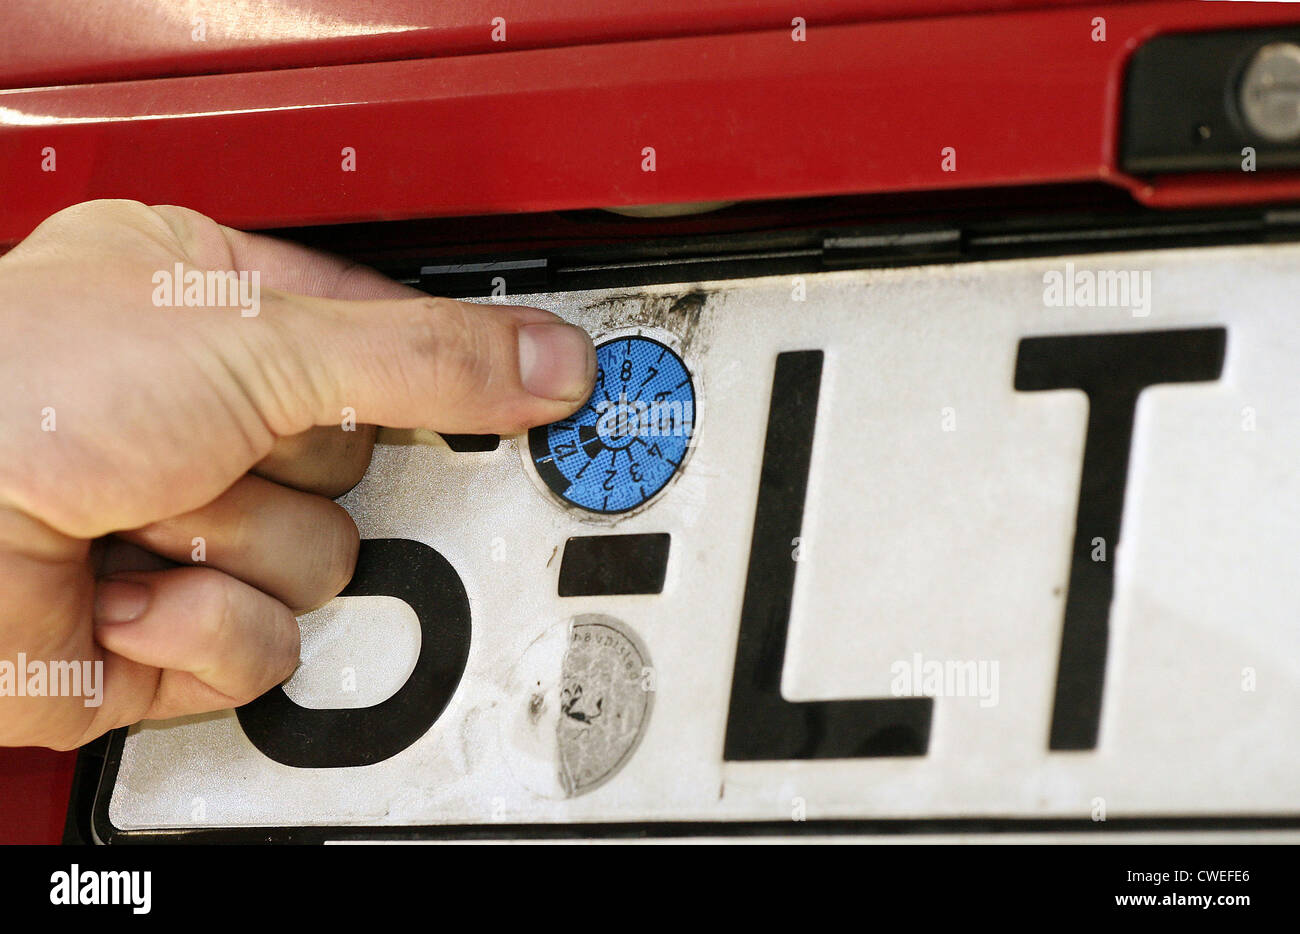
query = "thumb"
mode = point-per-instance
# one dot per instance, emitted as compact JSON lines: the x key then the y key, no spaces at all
{"x":425,"y":362}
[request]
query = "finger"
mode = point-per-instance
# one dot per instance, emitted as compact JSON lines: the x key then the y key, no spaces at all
{"x":315,"y":350}
{"x":455,"y":367}
{"x":234,"y":640}
{"x":327,"y":460}
{"x":324,"y":460}
{"x":297,"y":547}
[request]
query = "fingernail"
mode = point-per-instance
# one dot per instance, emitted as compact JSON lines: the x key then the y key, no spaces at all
{"x":119,"y":601}
{"x":556,"y":361}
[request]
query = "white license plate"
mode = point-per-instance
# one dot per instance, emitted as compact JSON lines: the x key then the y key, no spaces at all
{"x":864,"y":595}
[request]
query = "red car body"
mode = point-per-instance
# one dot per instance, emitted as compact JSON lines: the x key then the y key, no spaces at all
{"x":247,"y":115}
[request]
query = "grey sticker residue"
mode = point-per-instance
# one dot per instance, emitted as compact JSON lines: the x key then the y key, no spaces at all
{"x":605,"y":697}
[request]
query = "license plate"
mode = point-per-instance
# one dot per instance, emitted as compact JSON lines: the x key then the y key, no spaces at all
{"x":1005,"y":545}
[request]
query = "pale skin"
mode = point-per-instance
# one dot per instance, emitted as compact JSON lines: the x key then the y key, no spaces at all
{"x":176,"y":423}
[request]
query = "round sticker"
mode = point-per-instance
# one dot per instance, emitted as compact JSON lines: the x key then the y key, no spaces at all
{"x":584,"y":692}
{"x":627,"y":442}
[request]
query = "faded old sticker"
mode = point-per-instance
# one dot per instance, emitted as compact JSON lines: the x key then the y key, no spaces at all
{"x":585,"y":691}
{"x":604,"y":702}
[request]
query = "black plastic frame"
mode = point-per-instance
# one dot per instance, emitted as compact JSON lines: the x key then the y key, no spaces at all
{"x":1179,"y":83}
{"x":976,"y":238}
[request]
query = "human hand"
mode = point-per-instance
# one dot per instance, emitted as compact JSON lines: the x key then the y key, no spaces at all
{"x":128,"y":431}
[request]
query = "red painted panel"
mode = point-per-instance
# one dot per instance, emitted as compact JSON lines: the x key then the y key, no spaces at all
{"x":1024,"y":98}
{"x":34,"y":789}
{"x":46,"y":42}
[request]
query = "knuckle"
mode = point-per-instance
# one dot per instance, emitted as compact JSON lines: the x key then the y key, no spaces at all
{"x":179,"y":221}
{"x":198,"y":237}
{"x":454,"y":342}
{"x":75,"y":221}
{"x":237,"y":538}
{"x":100,"y":208}
{"x":282,"y":370}
{"x":216,"y":614}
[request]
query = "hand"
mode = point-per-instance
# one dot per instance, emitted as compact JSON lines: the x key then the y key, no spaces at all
{"x":128,"y":431}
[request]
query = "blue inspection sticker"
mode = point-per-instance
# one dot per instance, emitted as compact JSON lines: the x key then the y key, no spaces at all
{"x":630,"y":438}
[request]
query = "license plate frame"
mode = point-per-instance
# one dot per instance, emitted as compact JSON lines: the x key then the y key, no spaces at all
{"x":105,"y":831}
